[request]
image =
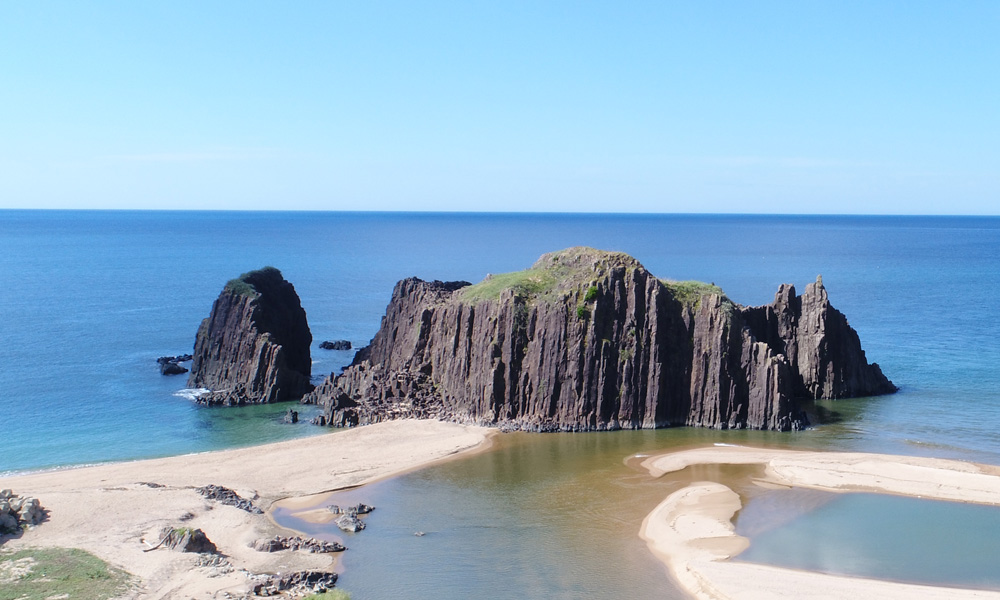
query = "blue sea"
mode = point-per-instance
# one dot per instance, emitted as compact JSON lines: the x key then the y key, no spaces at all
{"x":89,"y":300}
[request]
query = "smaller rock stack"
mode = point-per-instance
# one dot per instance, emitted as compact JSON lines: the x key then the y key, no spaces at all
{"x":254,"y":346}
{"x":17,"y":512}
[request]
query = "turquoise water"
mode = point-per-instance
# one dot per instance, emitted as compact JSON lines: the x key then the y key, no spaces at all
{"x":88,"y":300}
{"x":880,"y":536}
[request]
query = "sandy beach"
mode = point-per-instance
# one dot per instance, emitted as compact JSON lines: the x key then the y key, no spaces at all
{"x":113,"y":512}
{"x":692,"y":533}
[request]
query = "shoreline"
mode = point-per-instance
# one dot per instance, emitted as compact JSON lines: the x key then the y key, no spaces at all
{"x":692,"y":532}
{"x":112,"y":511}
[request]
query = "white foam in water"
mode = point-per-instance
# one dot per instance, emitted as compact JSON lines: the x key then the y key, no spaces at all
{"x":192,"y":394}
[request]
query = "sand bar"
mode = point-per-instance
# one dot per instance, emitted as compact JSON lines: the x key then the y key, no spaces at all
{"x":110,"y":511}
{"x":692,"y":533}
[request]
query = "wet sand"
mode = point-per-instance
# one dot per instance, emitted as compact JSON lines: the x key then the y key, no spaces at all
{"x":691,"y":531}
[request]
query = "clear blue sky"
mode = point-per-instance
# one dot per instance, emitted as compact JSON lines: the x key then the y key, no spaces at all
{"x":790,"y":107}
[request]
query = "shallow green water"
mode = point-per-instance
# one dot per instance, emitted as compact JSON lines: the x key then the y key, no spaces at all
{"x":875,"y":535}
{"x":537,"y":516}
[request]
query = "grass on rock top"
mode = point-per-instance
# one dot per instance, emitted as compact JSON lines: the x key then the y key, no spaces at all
{"x":241,"y":286}
{"x":690,"y":292}
{"x":552,"y":275}
{"x":574,"y":269}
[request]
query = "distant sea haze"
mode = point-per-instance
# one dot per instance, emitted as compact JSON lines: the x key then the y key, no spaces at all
{"x":90,"y":299}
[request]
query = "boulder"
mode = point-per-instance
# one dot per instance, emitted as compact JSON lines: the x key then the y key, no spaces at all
{"x":349,"y":523}
{"x":171,"y":368}
{"x":185,"y":539}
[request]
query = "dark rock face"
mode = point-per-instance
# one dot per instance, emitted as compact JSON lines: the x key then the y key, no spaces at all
{"x":335,"y":345}
{"x":589,"y":340}
{"x":254,"y":347}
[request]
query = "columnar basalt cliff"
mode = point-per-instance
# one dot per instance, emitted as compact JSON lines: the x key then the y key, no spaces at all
{"x":589,"y":340}
{"x":254,"y":347}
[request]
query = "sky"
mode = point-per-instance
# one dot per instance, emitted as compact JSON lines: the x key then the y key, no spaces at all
{"x":675,"y":107}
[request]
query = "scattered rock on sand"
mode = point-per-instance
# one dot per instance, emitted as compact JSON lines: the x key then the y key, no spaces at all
{"x":228,"y":497}
{"x":310,"y":545}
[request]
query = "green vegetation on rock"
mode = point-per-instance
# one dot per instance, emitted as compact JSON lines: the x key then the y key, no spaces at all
{"x":553,"y":275}
{"x":530,"y":282}
{"x":41,"y":573}
{"x":690,"y":292}
{"x":241,"y":286}
{"x":329,"y":595}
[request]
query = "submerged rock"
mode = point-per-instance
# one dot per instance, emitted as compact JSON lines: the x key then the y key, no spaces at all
{"x":590,"y":340}
{"x":254,"y":346}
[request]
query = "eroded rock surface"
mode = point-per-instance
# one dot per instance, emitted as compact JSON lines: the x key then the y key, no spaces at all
{"x":590,"y":340}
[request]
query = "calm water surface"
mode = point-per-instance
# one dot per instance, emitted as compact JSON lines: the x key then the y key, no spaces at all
{"x":875,"y":535}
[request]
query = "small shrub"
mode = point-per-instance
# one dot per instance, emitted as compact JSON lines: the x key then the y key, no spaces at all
{"x":591,"y":294}
{"x":583,"y":312}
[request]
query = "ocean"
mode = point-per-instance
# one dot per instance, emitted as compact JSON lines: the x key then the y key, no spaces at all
{"x":90,"y":299}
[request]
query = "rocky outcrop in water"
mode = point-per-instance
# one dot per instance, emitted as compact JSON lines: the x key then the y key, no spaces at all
{"x":590,"y":340}
{"x":335,"y":345}
{"x":295,"y":584}
{"x":254,"y":347}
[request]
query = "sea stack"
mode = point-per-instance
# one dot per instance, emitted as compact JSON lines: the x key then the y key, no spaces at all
{"x":254,"y":346}
{"x":589,"y":340}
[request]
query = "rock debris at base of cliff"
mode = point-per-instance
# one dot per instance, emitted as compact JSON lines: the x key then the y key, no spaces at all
{"x":254,"y":346}
{"x":589,"y":340}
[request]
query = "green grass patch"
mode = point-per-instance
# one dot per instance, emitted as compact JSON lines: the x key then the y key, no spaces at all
{"x":241,"y":286}
{"x":40,"y":573}
{"x":582,"y":312}
{"x":569,"y":271}
{"x":690,"y":292}
{"x":330,"y":595}
{"x":530,"y":282}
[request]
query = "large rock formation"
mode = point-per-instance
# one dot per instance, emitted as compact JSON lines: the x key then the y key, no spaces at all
{"x":254,"y":347}
{"x":589,"y":340}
